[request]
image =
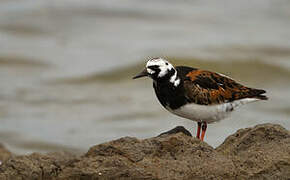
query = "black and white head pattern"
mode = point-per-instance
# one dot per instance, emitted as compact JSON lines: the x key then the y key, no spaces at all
{"x":160,"y":69}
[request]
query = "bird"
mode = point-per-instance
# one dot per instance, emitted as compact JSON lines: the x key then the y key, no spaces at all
{"x":195,"y":94}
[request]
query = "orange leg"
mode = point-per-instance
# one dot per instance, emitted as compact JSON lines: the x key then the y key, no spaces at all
{"x":198,"y":130}
{"x":203,"y":128}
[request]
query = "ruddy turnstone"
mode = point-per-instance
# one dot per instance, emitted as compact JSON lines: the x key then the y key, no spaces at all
{"x":196,"y":94}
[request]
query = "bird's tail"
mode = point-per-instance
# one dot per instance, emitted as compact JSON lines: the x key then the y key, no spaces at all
{"x":259,"y":94}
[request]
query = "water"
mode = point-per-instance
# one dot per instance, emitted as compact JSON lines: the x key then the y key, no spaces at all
{"x":66,"y":66}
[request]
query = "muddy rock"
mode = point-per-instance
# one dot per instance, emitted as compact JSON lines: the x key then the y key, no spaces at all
{"x":174,"y":156}
{"x":261,"y":152}
{"x":35,"y":166}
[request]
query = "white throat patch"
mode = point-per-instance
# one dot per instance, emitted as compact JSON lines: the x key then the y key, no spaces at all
{"x":174,"y":79}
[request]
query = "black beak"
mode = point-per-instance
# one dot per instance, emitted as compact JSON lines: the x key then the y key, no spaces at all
{"x":141,"y":74}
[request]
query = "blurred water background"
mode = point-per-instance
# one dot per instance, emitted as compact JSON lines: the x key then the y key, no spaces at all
{"x":66,"y":66}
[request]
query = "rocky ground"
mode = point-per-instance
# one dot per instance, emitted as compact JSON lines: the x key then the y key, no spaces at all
{"x":261,"y":152}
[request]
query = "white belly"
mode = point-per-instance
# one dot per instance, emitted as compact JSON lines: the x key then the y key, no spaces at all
{"x":209,"y":113}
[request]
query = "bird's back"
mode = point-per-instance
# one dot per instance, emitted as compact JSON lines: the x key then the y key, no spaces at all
{"x":208,"y":88}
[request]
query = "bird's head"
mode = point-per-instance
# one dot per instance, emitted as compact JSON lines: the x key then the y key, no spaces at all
{"x":159,"y":69}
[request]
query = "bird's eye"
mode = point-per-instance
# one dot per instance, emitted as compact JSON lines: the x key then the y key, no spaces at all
{"x":154,"y":67}
{"x":166,"y":64}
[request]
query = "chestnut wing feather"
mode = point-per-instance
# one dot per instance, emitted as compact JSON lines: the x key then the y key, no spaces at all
{"x":207,"y":88}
